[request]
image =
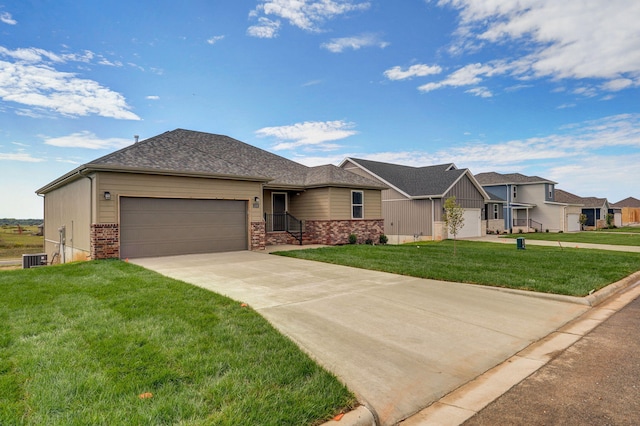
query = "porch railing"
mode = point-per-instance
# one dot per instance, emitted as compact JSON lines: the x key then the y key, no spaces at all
{"x":531,"y":224}
{"x":284,"y":222}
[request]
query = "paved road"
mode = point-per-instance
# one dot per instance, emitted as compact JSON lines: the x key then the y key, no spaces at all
{"x":400,"y":343}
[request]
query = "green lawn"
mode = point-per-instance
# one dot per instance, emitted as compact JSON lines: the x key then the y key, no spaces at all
{"x":592,"y":237}
{"x":79,"y":344}
{"x":566,"y":271}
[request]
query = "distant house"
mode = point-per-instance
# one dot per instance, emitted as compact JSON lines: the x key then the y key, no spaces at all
{"x":595,"y":209}
{"x":412,"y":206}
{"x":630,"y":210}
{"x":530,"y":203}
{"x":192,"y":192}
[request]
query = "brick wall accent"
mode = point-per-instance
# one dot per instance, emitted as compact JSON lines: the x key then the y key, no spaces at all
{"x":281,"y":237}
{"x":258,"y":235}
{"x":105,"y":241}
{"x":333,"y":232}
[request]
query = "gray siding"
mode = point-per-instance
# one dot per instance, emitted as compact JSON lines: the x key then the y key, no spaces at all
{"x":466,"y":193}
{"x":407,"y":217}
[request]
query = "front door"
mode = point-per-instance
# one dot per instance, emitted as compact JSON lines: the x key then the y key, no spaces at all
{"x":279,"y":209}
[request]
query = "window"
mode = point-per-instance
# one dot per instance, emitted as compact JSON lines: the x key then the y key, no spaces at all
{"x":515,"y":192}
{"x":495,"y":211}
{"x":550,"y":195}
{"x":357,"y":205}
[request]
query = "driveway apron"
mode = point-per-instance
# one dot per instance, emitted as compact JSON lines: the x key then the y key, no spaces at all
{"x":399,"y":343}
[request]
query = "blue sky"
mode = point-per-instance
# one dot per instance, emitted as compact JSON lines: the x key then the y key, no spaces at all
{"x":539,"y":87}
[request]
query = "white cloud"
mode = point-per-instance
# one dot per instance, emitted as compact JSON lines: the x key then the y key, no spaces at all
{"x":88,"y":140}
{"x":314,"y":135}
{"x":468,"y":75}
{"x":580,"y":39}
{"x":338,"y":45}
{"x":153,"y":97}
{"x":31,"y":80}
{"x":481,"y":92}
{"x":304,"y":14}
{"x":417,"y":70}
{"x":215,"y":39}
{"x":266,"y":28}
{"x":7,"y":18}
{"x":20,"y":156}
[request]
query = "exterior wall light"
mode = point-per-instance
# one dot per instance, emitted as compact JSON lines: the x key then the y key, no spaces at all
{"x":107,"y":195}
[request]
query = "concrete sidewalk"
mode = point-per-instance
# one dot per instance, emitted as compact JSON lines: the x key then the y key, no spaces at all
{"x":560,"y":244}
{"x":400,"y":343}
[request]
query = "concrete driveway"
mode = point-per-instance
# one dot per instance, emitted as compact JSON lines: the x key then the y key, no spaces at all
{"x":399,"y":343}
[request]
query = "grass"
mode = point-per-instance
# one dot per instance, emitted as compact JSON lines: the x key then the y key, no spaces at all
{"x":13,"y":244}
{"x":573,"y":272}
{"x":591,"y":237}
{"x":80,"y":343}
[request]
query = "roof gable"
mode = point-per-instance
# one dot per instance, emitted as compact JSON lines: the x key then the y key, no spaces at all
{"x":429,"y":181}
{"x":628,"y":202}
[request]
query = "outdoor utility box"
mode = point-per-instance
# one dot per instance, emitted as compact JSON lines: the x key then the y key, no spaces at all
{"x":31,"y":260}
{"x":520,"y":243}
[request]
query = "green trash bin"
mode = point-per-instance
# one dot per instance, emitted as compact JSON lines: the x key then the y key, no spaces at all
{"x":520,"y":242}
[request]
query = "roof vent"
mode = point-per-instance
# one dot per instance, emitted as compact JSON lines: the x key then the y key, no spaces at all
{"x":136,"y":137}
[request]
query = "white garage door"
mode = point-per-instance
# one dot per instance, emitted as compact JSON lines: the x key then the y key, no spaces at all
{"x":572,"y":222}
{"x":165,"y":227}
{"x":472,"y":226}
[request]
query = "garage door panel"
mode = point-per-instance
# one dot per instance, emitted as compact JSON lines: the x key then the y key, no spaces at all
{"x":472,"y":226}
{"x":164,"y":227}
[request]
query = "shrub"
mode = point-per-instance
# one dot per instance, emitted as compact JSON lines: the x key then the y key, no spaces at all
{"x":383,"y":239}
{"x":353,"y":238}
{"x":368,"y":242}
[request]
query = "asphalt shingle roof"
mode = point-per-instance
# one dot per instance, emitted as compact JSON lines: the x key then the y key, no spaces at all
{"x":628,"y":202}
{"x":562,"y":196}
{"x":415,"y":181}
{"x":186,"y":151}
{"x":493,"y":178}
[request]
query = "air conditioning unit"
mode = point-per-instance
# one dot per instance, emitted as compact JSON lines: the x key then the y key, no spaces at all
{"x":31,"y":260}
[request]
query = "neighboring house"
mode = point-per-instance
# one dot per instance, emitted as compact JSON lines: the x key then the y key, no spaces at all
{"x":629,"y":210}
{"x":191,"y":192}
{"x":530,"y":203}
{"x":412,"y":206}
{"x":595,"y":209}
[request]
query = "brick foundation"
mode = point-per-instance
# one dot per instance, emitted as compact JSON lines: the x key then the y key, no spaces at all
{"x":105,"y":241}
{"x":258,"y":236}
{"x":334,"y":232}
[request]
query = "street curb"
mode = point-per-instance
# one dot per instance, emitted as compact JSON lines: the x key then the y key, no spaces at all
{"x":591,"y":300}
{"x":361,"y":416}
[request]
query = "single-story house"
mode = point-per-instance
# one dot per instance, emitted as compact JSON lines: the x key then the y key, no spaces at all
{"x":192,"y":192}
{"x":531,"y":203}
{"x":595,"y":209}
{"x":629,"y":210}
{"x":413,"y":204}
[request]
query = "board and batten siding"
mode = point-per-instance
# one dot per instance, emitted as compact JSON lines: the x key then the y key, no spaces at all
{"x":69,"y":206}
{"x":407,"y":217}
{"x":466,"y":193}
{"x":144,"y":185}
